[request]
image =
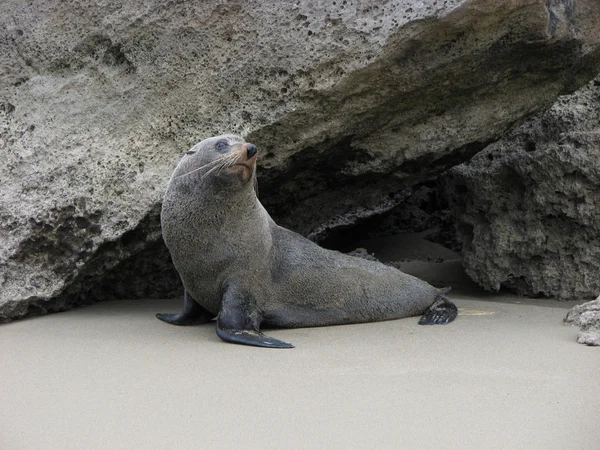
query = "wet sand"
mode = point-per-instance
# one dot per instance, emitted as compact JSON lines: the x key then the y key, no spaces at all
{"x":504,"y":375}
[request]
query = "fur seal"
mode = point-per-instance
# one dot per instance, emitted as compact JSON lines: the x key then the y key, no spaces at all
{"x":239,"y":266}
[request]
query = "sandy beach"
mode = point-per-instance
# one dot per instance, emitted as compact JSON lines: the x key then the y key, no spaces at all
{"x":505,"y":374}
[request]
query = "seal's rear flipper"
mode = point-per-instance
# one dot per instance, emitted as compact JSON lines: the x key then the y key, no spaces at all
{"x":441,"y":312}
{"x":193,"y":313}
{"x":248,"y":337}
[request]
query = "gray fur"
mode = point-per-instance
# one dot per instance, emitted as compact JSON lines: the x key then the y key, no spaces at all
{"x":221,"y":238}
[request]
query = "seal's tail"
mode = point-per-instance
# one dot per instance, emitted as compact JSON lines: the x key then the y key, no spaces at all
{"x":441,"y":311}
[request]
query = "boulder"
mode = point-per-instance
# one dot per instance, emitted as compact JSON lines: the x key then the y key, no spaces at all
{"x":527,"y":208}
{"x":587,"y":317}
{"x":348,"y":101}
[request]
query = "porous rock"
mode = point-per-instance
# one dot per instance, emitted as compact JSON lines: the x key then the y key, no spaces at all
{"x":587,"y":317}
{"x":348,"y":101}
{"x":527,"y":208}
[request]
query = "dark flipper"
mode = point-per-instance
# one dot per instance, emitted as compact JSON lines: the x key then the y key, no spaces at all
{"x":239,"y":322}
{"x":441,"y":312}
{"x":249,"y":337}
{"x":193,"y":313}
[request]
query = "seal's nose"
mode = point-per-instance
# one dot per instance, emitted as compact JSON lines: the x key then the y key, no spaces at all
{"x":251,"y":148}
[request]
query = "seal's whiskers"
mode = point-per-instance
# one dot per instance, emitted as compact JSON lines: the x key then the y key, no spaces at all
{"x":231,"y":160}
{"x":216,"y":161}
{"x":227,"y":161}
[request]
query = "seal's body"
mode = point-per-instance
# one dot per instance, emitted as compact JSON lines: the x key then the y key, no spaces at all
{"x":238,"y":265}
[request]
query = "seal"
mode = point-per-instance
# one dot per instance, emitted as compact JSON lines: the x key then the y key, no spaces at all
{"x":238,"y":265}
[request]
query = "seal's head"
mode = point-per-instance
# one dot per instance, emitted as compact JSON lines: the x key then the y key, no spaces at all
{"x":227,"y":159}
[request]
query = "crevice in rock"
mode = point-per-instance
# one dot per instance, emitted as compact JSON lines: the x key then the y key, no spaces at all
{"x":418,"y":209}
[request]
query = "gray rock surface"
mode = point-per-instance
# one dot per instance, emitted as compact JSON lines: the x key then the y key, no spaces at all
{"x":348,"y":101}
{"x":587,"y":317}
{"x":528,"y":207}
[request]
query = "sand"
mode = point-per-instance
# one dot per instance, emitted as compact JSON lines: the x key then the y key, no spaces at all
{"x":504,"y":375}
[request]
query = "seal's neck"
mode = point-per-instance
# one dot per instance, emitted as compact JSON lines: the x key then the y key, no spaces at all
{"x":227,"y":196}
{"x":214,"y":203}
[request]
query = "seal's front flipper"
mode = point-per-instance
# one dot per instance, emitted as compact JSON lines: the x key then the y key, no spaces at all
{"x":193,"y":313}
{"x":239,"y":320}
{"x":249,"y":337}
{"x":441,"y":312}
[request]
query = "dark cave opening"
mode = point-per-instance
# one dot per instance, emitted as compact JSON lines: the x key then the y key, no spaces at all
{"x":420,"y":209}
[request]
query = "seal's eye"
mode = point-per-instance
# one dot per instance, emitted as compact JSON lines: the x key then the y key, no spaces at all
{"x":221,"y":145}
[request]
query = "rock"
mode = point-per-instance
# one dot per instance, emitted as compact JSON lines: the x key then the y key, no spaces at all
{"x":363,"y":253}
{"x":527,"y":208}
{"x":587,"y":317}
{"x":591,"y":339}
{"x":573,"y":317}
{"x":347,"y":102}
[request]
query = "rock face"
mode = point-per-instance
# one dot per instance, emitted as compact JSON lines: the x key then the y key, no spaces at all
{"x":348,"y":101}
{"x":587,"y":317}
{"x":528,"y":206}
